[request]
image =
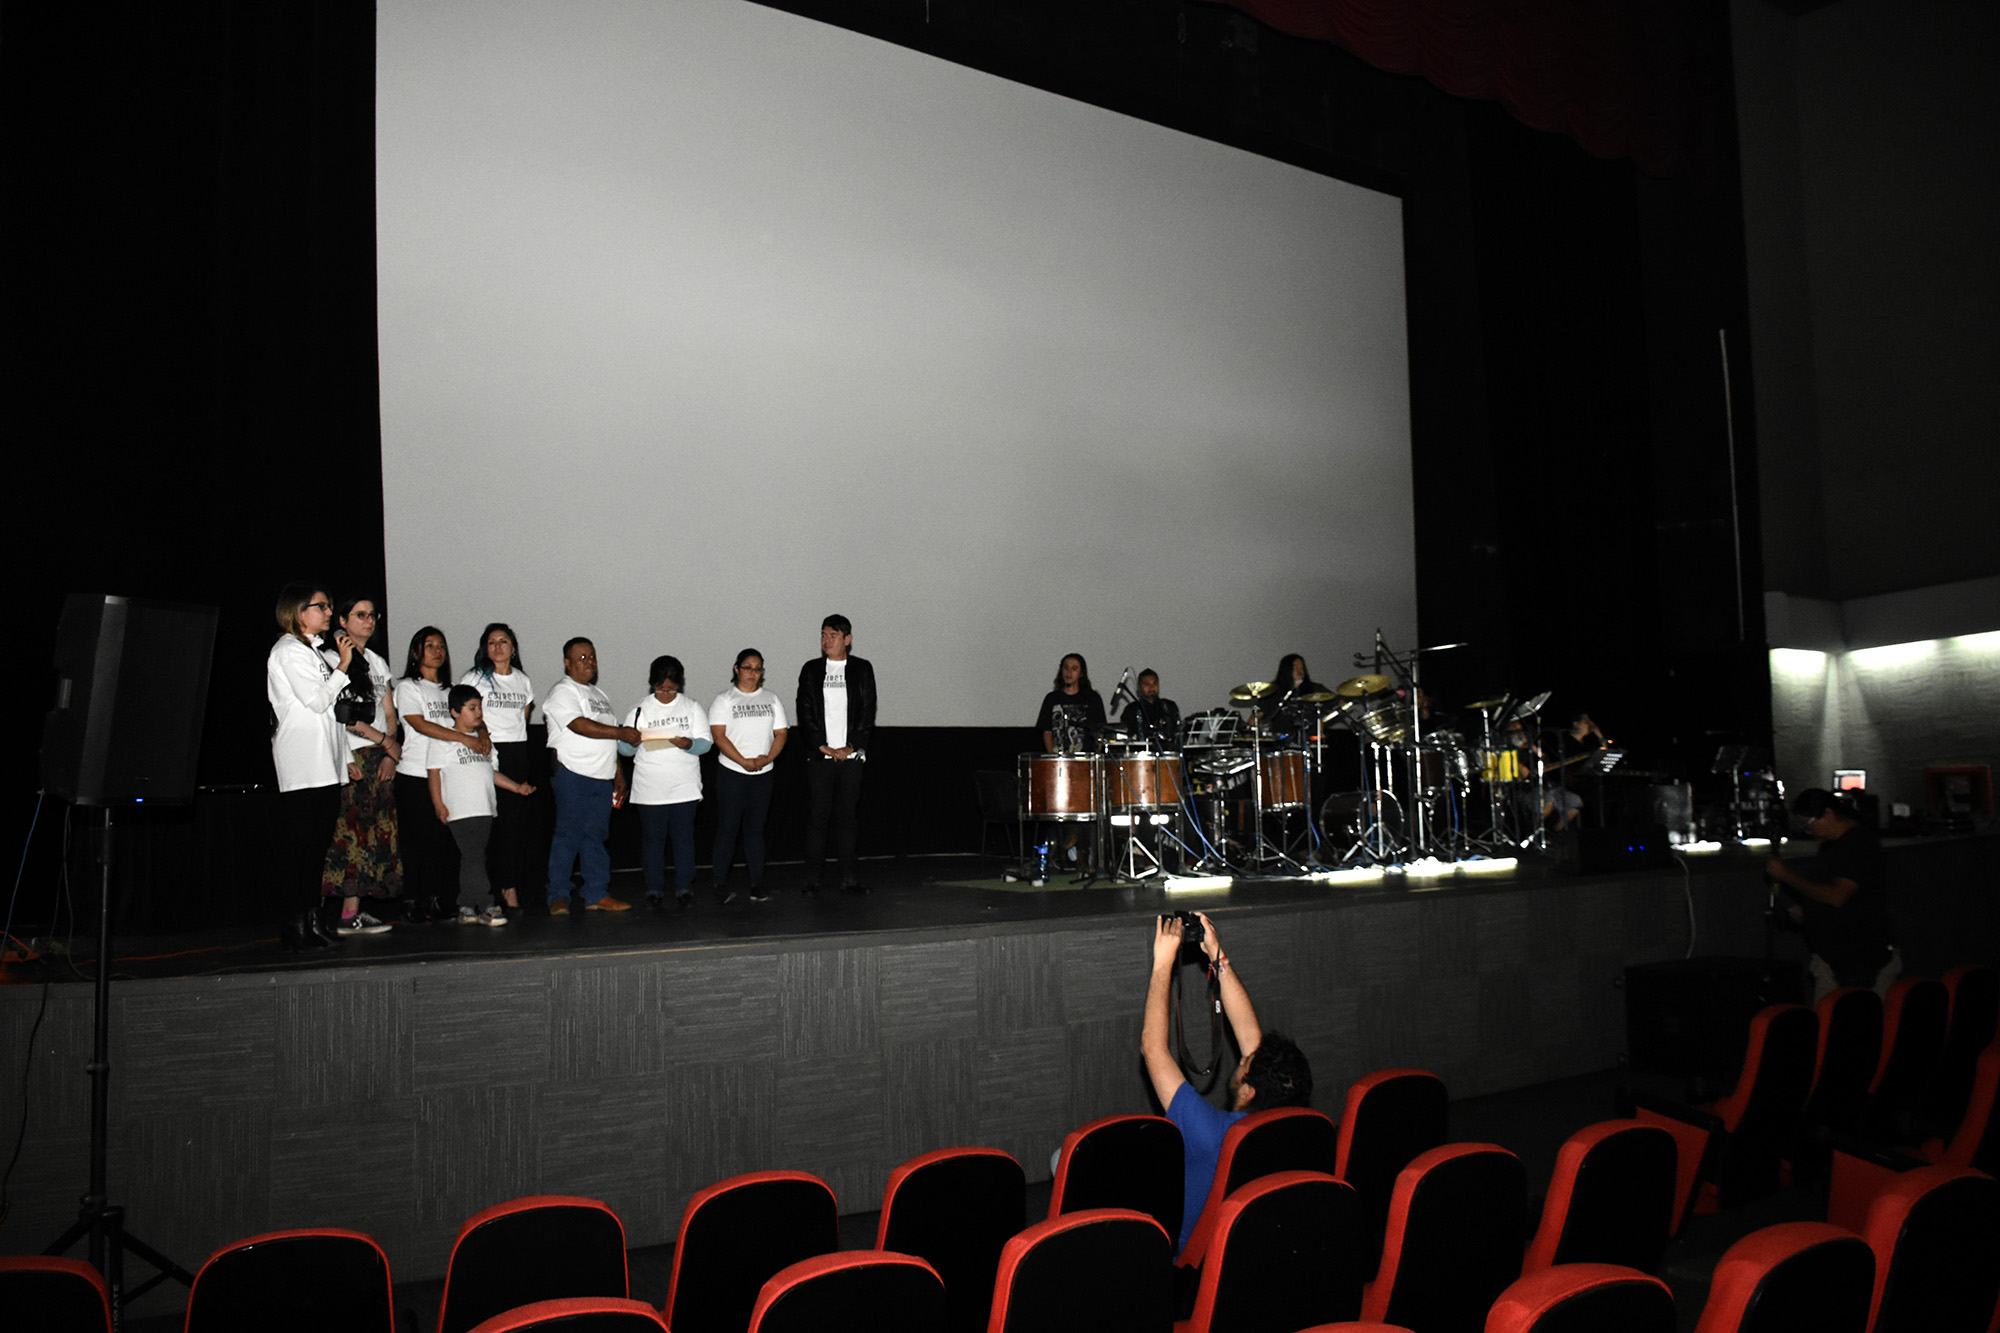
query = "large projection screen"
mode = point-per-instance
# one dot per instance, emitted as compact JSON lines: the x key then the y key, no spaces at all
{"x":699,"y":321}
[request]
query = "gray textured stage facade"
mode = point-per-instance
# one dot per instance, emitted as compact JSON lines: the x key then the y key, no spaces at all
{"x":401,"y":1099}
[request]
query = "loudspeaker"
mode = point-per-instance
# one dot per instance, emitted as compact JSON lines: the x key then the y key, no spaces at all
{"x":1691,"y":1016}
{"x":1601,"y":851}
{"x":132,"y":685}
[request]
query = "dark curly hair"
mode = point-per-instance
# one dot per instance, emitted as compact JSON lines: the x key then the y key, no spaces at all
{"x":1279,"y":1074}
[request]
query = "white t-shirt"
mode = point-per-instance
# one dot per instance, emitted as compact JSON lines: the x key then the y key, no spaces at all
{"x":308,"y":748}
{"x":834,"y":703}
{"x":667,"y":775}
{"x":581,"y":755}
{"x":465,"y":780}
{"x":430,"y":701}
{"x":509,"y":699}
{"x":378,"y":676}
{"x":751,"y":721}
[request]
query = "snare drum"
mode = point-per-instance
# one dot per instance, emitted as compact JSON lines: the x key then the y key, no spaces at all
{"x":1383,"y":715}
{"x":1143,"y":781}
{"x":1500,"y":766}
{"x":1058,"y":787}
{"x":1284,"y":773}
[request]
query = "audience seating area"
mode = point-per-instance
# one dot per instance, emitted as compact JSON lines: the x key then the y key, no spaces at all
{"x":1289,"y":1238}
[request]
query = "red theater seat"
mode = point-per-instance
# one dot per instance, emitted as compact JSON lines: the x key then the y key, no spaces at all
{"x":1935,"y":1232}
{"x":1389,"y":1117}
{"x":857,"y":1291}
{"x":1611,"y":1200}
{"x":1731,"y":1153}
{"x":1582,"y":1298}
{"x":1974,"y":994}
{"x":1284,"y":1256}
{"x":1915,"y":1018}
{"x":542,"y":1247}
{"x":1453,"y":1242}
{"x":955,"y":1208}
{"x":1122,"y":1161}
{"x":52,"y":1294}
{"x":1103,"y":1270}
{"x":738,"y":1234}
{"x":1791,"y":1278}
{"x":1850,"y":1051}
{"x":1290,"y":1138}
{"x":304,"y":1281}
{"x":578,"y":1314}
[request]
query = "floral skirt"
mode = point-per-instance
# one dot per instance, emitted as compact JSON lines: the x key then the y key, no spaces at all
{"x":362,"y":861}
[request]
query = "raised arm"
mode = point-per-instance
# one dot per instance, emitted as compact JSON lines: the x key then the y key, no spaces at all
{"x":1161,"y":1067}
{"x":1236,"y":1006}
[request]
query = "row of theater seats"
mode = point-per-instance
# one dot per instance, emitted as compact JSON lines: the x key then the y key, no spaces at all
{"x":1855,"y":1087}
{"x":1309,"y":1221}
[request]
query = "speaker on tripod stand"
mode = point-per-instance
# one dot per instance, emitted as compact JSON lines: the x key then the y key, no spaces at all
{"x":132,"y":685}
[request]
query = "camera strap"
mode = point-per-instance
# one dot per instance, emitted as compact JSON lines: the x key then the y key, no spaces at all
{"x":1178,"y":1020}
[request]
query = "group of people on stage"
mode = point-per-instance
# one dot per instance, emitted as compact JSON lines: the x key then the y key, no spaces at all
{"x":1072,"y":715}
{"x":386,"y":780}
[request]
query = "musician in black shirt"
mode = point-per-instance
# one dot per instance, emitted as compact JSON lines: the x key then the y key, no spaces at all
{"x":1073,"y":692}
{"x":1150,"y":718}
{"x":1837,"y":897}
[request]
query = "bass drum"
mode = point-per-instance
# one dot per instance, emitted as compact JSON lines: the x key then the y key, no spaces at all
{"x":1344,"y":821}
{"x":1284,"y":779}
{"x":1059,"y":787}
{"x":1144,"y":781}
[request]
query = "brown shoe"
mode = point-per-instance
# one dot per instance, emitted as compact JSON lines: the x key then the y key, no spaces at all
{"x":608,"y":904}
{"x":559,"y":907}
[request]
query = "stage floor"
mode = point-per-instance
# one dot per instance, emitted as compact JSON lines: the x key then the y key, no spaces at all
{"x":943,"y":896}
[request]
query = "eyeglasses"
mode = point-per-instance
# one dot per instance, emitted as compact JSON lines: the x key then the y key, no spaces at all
{"x":317,"y":606}
{"x":361,"y":615}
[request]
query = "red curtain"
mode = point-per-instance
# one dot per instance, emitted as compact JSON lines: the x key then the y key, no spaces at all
{"x":1618,"y":76}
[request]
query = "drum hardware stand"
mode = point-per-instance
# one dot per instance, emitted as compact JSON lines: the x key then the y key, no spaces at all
{"x":1498,"y":836}
{"x":1264,"y":851}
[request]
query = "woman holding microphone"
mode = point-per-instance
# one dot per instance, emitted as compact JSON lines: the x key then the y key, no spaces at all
{"x":308,"y":750}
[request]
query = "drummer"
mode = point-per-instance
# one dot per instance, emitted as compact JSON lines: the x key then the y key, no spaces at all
{"x":1282,"y":709}
{"x":1151,"y":719}
{"x":1072,"y":713}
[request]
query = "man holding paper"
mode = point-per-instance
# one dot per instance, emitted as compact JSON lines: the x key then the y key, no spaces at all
{"x":666,"y":779}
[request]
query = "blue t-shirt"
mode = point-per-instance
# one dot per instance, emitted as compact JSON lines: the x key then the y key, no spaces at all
{"x":1202,"y":1127}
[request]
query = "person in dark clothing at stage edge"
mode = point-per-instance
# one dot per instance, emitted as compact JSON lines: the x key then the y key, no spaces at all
{"x":1837,"y":898}
{"x":1272,"y":1072}
{"x":1150,"y":718}
{"x":835,"y":713}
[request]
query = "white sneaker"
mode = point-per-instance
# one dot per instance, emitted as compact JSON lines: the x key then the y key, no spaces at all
{"x":467,"y":917}
{"x":492,"y":916}
{"x":361,"y":924}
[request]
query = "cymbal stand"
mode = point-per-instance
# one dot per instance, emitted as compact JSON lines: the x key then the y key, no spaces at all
{"x":1416,"y":823}
{"x":1497,"y":836}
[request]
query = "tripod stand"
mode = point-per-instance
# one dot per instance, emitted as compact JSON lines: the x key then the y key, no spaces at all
{"x":100,"y":1219}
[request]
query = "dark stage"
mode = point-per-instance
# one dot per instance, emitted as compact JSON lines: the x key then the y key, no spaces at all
{"x":399,"y":1083}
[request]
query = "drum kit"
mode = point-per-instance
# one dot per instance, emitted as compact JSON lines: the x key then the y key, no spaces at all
{"x":1234,"y":791}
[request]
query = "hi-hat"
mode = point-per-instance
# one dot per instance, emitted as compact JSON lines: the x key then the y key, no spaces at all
{"x":1485,"y":704}
{"x":1250,"y":692}
{"x":1316,"y":697}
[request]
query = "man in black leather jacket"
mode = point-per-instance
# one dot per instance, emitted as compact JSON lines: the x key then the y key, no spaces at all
{"x":834,"y":719}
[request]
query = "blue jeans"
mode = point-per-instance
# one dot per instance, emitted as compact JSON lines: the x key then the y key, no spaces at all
{"x":583,"y":822}
{"x":657,"y":823}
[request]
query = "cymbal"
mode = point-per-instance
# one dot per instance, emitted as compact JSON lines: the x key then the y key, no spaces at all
{"x":1485,"y":704}
{"x":1316,"y":697}
{"x":1530,"y":706}
{"x":1250,"y":691}
{"x":1360,"y":685}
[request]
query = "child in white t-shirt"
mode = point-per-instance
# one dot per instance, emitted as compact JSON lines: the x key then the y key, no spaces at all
{"x":462,"y":786}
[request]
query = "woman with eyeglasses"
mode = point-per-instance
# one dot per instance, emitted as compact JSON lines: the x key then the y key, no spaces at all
{"x":748,"y":723}
{"x":308,"y":750}
{"x":362,"y":861}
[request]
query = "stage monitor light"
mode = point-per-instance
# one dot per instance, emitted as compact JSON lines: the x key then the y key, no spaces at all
{"x":1850,"y":779}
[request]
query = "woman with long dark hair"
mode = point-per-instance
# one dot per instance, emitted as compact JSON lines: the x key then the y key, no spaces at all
{"x":1073,"y":692}
{"x":308,"y":751}
{"x":509,"y":696}
{"x":362,"y":862}
{"x":430,"y":857}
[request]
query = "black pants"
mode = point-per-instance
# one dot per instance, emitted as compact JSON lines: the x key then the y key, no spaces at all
{"x":742,"y":801}
{"x":836,"y":796}
{"x":306,"y":817}
{"x":504,"y":854}
{"x":430,"y":857}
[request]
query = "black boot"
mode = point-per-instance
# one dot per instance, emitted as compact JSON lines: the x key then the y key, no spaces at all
{"x":302,"y":931}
